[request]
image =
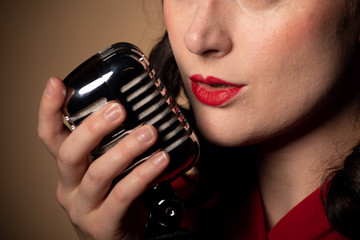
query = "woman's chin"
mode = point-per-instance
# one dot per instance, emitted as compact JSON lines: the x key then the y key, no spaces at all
{"x":225,"y":138}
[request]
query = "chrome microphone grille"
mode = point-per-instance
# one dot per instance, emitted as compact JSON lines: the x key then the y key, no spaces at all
{"x":123,"y":73}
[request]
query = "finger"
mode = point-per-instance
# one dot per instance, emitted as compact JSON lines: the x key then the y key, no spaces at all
{"x":73,"y":153}
{"x":51,"y":129}
{"x":101,"y":172}
{"x":133,"y":185}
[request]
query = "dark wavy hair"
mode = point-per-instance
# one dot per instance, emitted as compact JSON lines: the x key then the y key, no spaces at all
{"x":162,"y":60}
{"x":342,"y":199}
{"x":342,"y":194}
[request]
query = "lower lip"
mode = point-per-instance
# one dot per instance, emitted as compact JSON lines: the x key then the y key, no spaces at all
{"x":213,"y":96}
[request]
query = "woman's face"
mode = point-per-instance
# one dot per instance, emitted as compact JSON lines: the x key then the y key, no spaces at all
{"x":254,"y":69}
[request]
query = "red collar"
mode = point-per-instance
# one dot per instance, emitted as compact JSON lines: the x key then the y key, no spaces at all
{"x":307,"y":220}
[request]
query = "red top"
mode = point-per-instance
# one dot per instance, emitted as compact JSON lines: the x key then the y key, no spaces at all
{"x":306,"y":221}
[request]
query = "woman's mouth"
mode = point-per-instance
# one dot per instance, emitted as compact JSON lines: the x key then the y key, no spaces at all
{"x":213,"y":91}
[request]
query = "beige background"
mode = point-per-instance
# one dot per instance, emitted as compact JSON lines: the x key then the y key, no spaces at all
{"x":39,"y":39}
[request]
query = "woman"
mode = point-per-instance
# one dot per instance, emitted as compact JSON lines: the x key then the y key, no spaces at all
{"x":274,"y":84}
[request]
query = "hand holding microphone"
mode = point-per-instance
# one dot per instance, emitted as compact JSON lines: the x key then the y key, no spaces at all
{"x":121,"y":118}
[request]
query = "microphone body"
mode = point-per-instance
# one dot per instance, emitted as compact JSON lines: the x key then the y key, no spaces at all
{"x":122,"y":73}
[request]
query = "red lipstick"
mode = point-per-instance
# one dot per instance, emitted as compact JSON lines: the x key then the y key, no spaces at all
{"x":213,"y":91}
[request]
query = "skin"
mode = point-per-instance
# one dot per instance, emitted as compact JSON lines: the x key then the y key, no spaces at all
{"x":270,"y":47}
{"x":82,"y":189}
{"x":290,"y":57}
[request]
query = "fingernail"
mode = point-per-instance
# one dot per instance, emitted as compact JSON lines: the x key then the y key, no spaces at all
{"x":159,"y":159}
{"x":50,"y":87}
{"x":113,"y":113}
{"x":146,"y":134}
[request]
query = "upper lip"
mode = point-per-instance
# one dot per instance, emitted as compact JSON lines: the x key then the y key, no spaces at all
{"x":210,"y":80}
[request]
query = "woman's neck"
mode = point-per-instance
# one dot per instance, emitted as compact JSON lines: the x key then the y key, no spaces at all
{"x":289,"y":169}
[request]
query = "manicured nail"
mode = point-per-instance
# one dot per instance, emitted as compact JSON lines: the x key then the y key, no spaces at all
{"x":50,"y":87}
{"x":159,"y":159}
{"x":113,"y":113}
{"x":146,"y":134}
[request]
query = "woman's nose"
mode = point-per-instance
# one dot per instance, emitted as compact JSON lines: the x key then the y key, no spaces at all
{"x":208,"y":32}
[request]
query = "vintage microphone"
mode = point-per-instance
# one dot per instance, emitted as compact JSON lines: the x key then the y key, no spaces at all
{"x":122,"y":73}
